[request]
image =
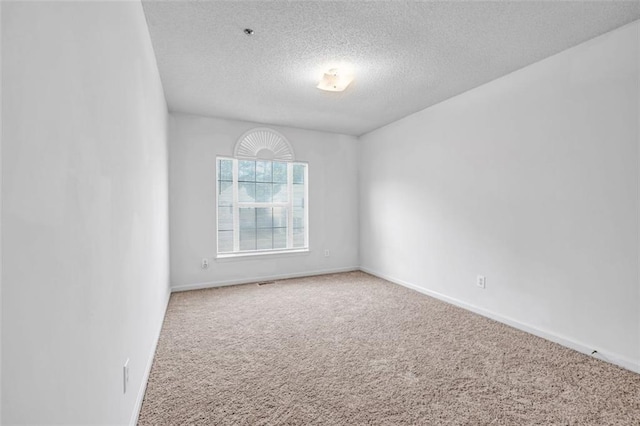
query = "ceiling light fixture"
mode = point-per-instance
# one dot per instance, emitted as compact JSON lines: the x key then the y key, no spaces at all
{"x":334,"y":80}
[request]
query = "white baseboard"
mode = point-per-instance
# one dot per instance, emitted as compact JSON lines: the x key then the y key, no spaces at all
{"x":145,"y":378}
{"x":248,"y":280}
{"x":612,"y":358}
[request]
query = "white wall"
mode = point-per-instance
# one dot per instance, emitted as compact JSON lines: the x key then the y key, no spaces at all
{"x":0,"y":214}
{"x":530,"y":180}
{"x":85,"y":210}
{"x":194,"y":143}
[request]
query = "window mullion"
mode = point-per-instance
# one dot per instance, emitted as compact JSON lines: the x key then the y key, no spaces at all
{"x":265,"y":205}
{"x":236,"y":209}
{"x":290,"y":205}
{"x":306,"y":206}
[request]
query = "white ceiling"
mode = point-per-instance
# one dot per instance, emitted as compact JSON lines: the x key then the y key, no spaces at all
{"x":406,"y":56}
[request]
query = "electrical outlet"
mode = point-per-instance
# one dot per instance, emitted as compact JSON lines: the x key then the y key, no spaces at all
{"x":481,"y":282}
{"x":205,"y":263}
{"x":125,"y":376}
{"x":326,"y":253}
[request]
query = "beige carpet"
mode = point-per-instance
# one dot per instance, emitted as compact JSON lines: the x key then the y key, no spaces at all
{"x":350,"y":349}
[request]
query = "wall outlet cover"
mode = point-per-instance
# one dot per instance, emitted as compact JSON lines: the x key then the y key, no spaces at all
{"x":481,"y":281}
{"x":125,"y":376}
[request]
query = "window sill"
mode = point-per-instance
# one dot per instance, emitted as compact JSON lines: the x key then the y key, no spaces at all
{"x":261,"y":255}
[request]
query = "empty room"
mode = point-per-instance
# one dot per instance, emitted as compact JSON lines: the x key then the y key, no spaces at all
{"x":320,"y":212}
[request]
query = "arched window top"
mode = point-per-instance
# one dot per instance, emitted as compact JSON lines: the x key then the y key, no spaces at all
{"x":265,"y":144}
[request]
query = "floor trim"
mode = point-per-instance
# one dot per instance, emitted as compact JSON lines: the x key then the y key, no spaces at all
{"x":609,"y":357}
{"x":248,"y":280}
{"x":145,"y":378}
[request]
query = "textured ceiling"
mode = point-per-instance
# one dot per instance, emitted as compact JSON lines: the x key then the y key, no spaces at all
{"x":405,"y":56}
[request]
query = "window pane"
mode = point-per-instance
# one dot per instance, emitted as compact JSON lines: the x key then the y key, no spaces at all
{"x":267,"y":183}
{"x":279,"y":172}
{"x":225,"y":241}
{"x":225,"y":170}
{"x":265,"y":239}
{"x":263,"y":171}
{"x":246,"y":192}
{"x":298,"y":195}
{"x":279,"y":238}
{"x":279,"y":217}
{"x":247,"y":219}
{"x":264,"y":218}
{"x":280,"y":193}
{"x":225,"y":193}
{"x":225,"y":218}
{"x":246,"y":171}
{"x":248,"y":239}
{"x":263,"y":192}
{"x":298,"y":173}
{"x":298,"y":237}
{"x":298,"y":217}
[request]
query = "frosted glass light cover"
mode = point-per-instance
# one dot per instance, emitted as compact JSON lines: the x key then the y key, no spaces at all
{"x":334,"y":81}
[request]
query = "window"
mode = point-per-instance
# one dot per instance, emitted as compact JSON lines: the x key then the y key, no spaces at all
{"x":262,"y":206}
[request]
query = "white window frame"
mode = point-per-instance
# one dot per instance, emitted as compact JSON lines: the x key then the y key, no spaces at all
{"x":288,"y":205}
